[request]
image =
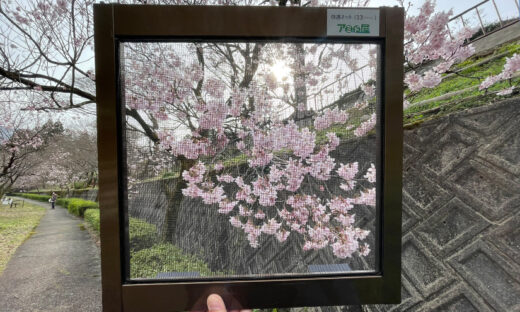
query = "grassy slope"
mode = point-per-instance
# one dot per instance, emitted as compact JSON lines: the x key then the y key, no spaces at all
{"x":16,"y":225}
{"x":468,"y":99}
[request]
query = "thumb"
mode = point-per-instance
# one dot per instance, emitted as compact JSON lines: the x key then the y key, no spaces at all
{"x":216,"y":304}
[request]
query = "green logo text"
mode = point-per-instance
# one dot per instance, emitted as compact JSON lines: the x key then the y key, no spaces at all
{"x":359,"y":29}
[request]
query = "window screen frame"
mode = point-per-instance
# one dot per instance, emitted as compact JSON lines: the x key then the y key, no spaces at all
{"x":115,"y":23}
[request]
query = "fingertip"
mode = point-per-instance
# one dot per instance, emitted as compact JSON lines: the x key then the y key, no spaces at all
{"x":215,"y":303}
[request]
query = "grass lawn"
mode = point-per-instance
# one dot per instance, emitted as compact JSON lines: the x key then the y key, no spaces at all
{"x":16,"y":225}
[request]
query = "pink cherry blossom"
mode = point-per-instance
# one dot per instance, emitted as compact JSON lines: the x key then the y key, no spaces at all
{"x":367,"y":198}
{"x":329,"y":118}
{"x":227,"y":206}
{"x":275,"y":175}
{"x":282,"y":235}
{"x":321,"y":165}
{"x":346,"y":219}
{"x":213,"y":197}
{"x":271,"y":227}
{"x":364,"y":250}
{"x":511,"y":67}
{"x":348,"y":171}
{"x":192,"y":191}
{"x":340,"y":205}
{"x":225,"y":178}
{"x":195,"y":174}
{"x":244,"y":211}
{"x":333,"y":140}
{"x":253,"y":233}
{"x":506,"y":91}
{"x":431,"y":79}
{"x":344,"y":249}
{"x":413,"y":81}
{"x":489,"y":81}
{"x":204,"y":107}
{"x":366,"y":126}
{"x":235,"y":221}
{"x":265,"y":192}
{"x":371,"y":174}
{"x":218,"y":167}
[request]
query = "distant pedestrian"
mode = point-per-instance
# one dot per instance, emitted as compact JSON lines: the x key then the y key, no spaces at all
{"x":53,"y":199}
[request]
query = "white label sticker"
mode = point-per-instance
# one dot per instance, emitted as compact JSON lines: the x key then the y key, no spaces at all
{"x":353,"y":22}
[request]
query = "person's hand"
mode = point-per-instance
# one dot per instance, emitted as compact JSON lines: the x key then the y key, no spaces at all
{"x":216,"y":304}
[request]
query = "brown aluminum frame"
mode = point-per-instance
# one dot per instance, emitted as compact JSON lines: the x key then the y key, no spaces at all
{"x":115,"y":23}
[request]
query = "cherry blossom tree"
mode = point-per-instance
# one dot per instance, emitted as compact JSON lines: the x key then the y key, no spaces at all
{"x":47,"y":53}
{"x":21,"y":137}
{"x":427,"y":40}
{"x":45,"y":49}
{"x":69,"y":158}
{"x":221,"y":101}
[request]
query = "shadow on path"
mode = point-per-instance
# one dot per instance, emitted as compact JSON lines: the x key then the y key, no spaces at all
{"x":56,"y":269}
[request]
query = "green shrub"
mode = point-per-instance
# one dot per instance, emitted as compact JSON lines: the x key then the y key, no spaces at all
{"x":77,"y":206}
{"x":79,"y":185}
{"x":164,"y":257}
{"x":170,"y":174}
{"x":142,"y":234}
{"x":92,"y":218}
{"x":38,"y":197}
{"x":64,"y":202}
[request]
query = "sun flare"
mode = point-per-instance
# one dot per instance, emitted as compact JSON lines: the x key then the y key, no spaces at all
{"x":281,"y":71}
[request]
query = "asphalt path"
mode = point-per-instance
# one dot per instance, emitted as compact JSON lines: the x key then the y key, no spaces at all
{"x":56,"y":269}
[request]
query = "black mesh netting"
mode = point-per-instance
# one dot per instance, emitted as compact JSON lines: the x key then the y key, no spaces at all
{"x":250,"y":158}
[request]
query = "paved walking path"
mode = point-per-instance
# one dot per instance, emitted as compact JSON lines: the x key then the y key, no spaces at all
{"x":56,"y":269}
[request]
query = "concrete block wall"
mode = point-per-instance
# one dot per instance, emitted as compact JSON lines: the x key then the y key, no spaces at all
{"x":461,"y":213}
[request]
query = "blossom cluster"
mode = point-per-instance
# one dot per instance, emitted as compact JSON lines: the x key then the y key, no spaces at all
{"x":427,"y":39}
{"x":275,"y":201}
{"x":511,"y":67}
{"x":366,"y":126}
{"x":330,"y":117}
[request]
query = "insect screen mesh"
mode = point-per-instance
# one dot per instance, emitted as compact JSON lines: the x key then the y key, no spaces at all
{"x":250,"y":159}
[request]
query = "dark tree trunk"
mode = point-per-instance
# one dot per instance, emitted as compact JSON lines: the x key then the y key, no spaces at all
{"x":300,"y":75}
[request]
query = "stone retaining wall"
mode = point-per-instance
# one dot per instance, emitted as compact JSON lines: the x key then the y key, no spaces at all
{"x":461,"y":213}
